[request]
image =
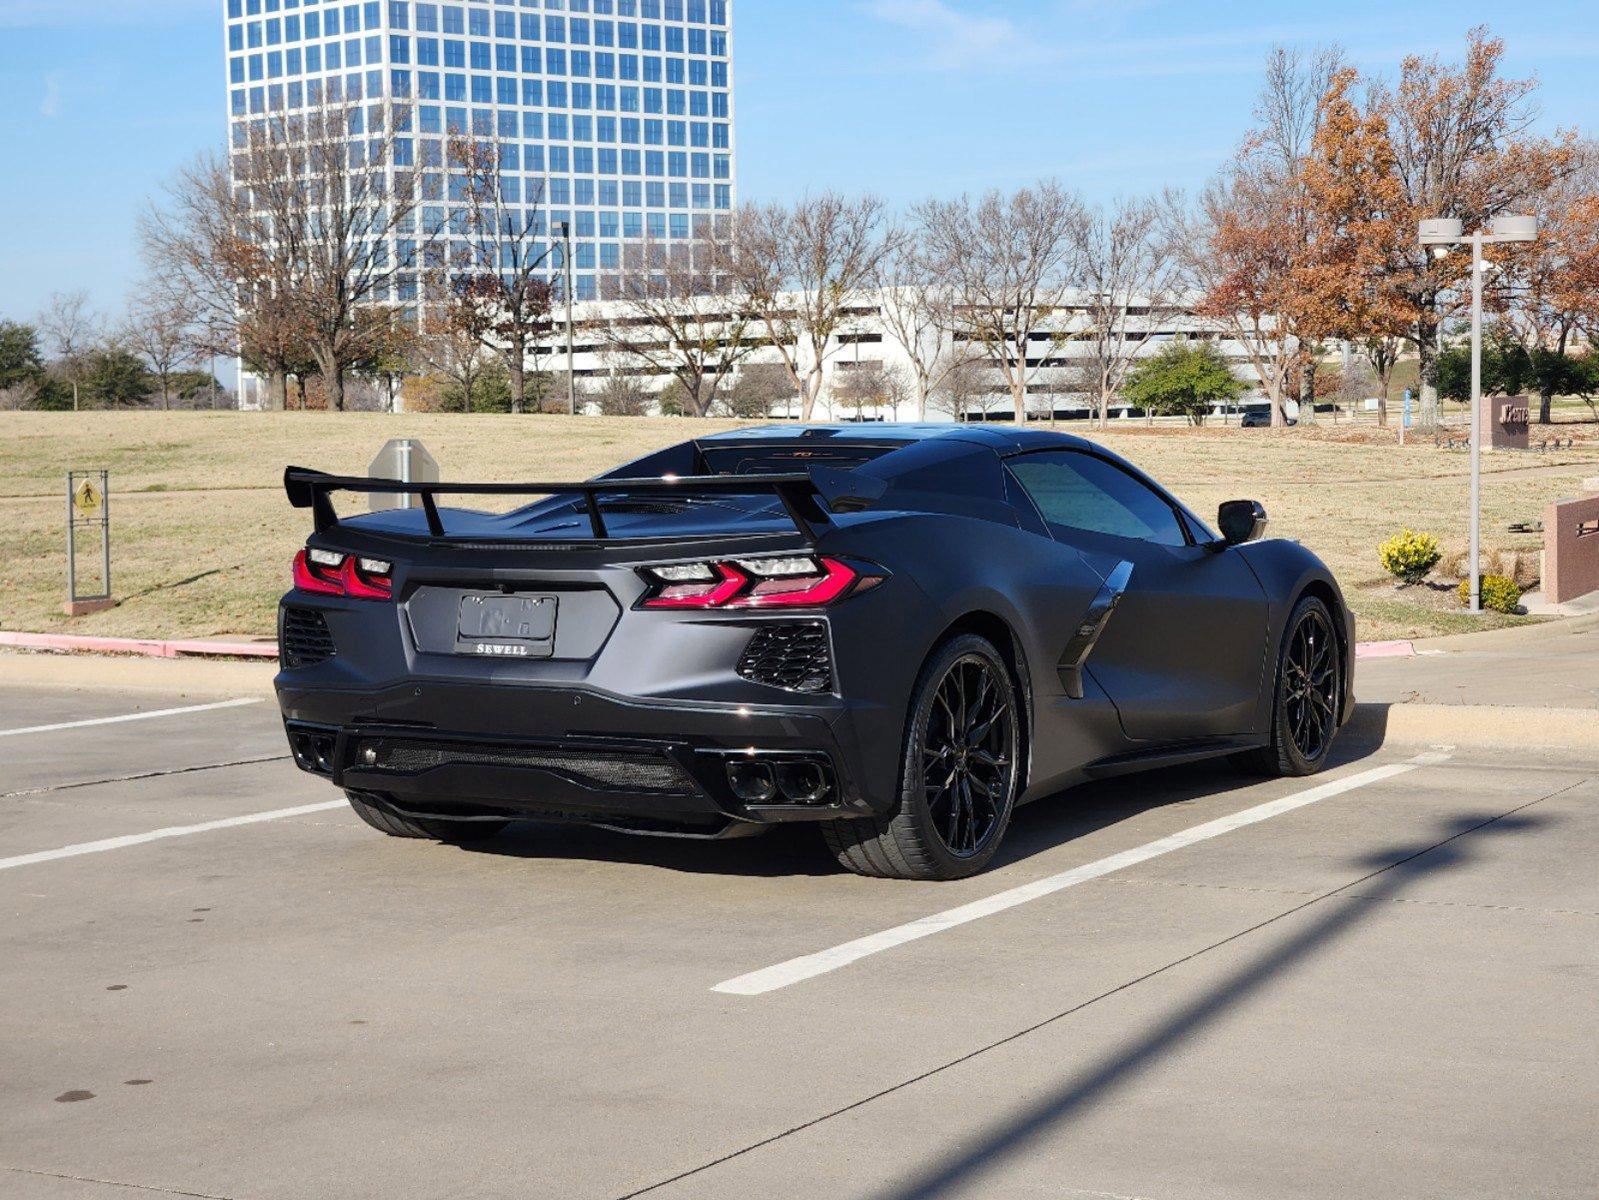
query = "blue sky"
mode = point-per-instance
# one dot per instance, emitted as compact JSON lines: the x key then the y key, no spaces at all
{"x":102,"y":99}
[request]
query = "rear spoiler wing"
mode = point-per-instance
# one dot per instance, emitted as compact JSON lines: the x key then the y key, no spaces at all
{"x":842,"y":491}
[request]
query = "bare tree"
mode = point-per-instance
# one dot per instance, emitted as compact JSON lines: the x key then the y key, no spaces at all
{"x":756,"y":390}
{"x":160,"y":329}
{"x":505,"y":255}
{"x":679,"y":313}
{"x":1130,"y":279}
{"x":803,"y":269}
{"x":324,"y":196}
{"x":916,"y":314}
{"x":871,"y":385}
{"x":68,"y":327}
{"x":620,"y":394}
{"x":1006,"y":264}
{"x":451,"y":344}
{"x":207,"y":247}
{"x":967,"y":387}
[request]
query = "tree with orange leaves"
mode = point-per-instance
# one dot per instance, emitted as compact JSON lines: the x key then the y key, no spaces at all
{"x":1547,"y":292}
{"x":1244,"y":249}
{"x":1348,"y":282}
{"x":1463,"y":147}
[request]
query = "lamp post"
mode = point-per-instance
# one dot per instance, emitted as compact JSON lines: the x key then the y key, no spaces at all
{"x":565,"y":229}
{"x":1440,"y":235}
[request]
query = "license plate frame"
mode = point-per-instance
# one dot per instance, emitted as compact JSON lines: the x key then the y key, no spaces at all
{"x":515,"y":626}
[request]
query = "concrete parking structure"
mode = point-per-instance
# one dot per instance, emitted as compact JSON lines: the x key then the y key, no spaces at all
{"x":1384,"y":989}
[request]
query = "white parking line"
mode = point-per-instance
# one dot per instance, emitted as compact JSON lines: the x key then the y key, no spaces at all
{"x":138,"y":716}
{"x":797,"y":970}
{"x":157,"y":835}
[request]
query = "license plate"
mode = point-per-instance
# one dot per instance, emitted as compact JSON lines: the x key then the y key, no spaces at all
{"x":507,"y":626}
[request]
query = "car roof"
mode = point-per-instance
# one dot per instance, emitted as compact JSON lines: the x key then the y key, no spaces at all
{"x":1002,"y":439}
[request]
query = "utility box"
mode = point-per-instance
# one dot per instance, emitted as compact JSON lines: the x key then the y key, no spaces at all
{"x":407,"y":461}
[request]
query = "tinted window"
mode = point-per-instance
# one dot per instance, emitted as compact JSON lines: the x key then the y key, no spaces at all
{"x":1079,"y":492}
{"x":784,"y":460}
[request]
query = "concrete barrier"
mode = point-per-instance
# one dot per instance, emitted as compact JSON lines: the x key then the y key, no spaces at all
{"x":1571,"y":549}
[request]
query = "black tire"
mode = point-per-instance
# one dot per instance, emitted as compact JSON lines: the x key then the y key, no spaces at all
{"x":1306,"y":696}
{"x":946,"y":829}
{"x":375,"y":813}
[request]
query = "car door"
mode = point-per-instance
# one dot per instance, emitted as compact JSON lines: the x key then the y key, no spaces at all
{"x":1183,"y":653}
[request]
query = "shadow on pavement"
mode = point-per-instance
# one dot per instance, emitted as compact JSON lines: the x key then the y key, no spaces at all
{"x":797,"y":850}
{"x":1390,"y":872}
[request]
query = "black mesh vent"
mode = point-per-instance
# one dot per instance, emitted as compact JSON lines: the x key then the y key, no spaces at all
{"x":609,"y":771}
{"x":303,"y":639}
{"x":793,"y":655}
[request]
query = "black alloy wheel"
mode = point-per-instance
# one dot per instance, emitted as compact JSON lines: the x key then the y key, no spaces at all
{"x":1307,"y":697}
{"x":959,"y":778}
{"x":1310,"y":684}
{"x":968,"y":755}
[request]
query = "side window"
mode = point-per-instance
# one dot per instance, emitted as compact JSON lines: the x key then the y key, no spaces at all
{"x":1080,"y":492}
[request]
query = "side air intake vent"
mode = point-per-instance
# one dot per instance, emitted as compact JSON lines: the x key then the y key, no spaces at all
{"x":792,"y":655}
{"x":303,"y":639}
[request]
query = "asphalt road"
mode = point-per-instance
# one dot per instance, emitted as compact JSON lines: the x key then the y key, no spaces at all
{"x":1377,"y":983}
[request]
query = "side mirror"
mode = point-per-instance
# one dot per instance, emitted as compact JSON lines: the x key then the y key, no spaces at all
{"x":1241,"y":521}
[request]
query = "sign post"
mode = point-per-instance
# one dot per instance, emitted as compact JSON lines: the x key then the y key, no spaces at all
{"x":88,"y":514}
{"x":406,"y":460}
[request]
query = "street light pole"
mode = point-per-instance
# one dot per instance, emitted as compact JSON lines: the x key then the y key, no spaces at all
{"x":1440,"y":235}
{"x":1476,"y":422}
{"x":571,"y":353}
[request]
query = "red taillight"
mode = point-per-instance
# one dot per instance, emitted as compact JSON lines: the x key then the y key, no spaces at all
{"x":743,"y":585}
{"x":313,"y":577}
{"x":833,"y":582}
{"x":365,"y":584}
{"x":726,"y":583}
{"x":325,"y":573}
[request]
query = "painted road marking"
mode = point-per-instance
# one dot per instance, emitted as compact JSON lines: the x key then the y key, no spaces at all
{"x":809,"y":966}
{"x":140,"y":716}
{"x":157,"y":835}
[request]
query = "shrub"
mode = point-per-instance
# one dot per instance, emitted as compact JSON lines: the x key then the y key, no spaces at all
{"x":1409,"y":556}
{"x":1498,"y":593}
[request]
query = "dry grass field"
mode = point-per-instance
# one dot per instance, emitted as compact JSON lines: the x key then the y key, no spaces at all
{"x":203,"y":535}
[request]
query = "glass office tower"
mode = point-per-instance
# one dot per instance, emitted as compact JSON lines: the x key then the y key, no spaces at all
{"x":614,"y":115}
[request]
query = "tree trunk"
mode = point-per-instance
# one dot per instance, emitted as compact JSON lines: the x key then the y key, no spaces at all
{"x":277,"y":391}
{"x":809,"y":394}
{"x":518,"y":366}
{"x":1427,"y":357}
{"x":299,"y":383}
{"x":1307,"y":393}
{"x":1546,"y":399}
{"x":335,"y":384}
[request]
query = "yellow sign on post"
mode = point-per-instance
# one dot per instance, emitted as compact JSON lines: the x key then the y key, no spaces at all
{"x":88,"y":519}
{"x":86,"y":499}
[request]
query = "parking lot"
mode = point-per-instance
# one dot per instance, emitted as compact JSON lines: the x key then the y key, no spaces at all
{"x":217,"y":982}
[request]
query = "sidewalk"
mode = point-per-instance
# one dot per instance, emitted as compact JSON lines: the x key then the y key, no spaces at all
{"x":1554,"y":665}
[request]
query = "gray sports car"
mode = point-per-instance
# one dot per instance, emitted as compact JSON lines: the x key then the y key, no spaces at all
{"x":897,"y":633}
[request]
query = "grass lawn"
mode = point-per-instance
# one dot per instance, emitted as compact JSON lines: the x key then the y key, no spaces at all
{"x":203,"y":535}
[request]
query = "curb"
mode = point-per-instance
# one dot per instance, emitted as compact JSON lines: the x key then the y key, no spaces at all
{"x":139,"y":647}
{"x":1477,"y":725}
{"x":1385,"y":650}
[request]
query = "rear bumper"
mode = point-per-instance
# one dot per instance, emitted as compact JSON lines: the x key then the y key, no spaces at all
{"x":450,"y":749}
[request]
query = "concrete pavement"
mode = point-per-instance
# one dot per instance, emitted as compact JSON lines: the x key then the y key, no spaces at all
{"x":1385,"y":990}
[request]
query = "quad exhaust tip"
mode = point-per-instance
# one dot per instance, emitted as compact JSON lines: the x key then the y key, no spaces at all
{"x":314,"y":749}
{"x":761,"y":780}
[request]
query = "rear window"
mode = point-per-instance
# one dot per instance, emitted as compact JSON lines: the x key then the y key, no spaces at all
{"x":783,"y":460}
